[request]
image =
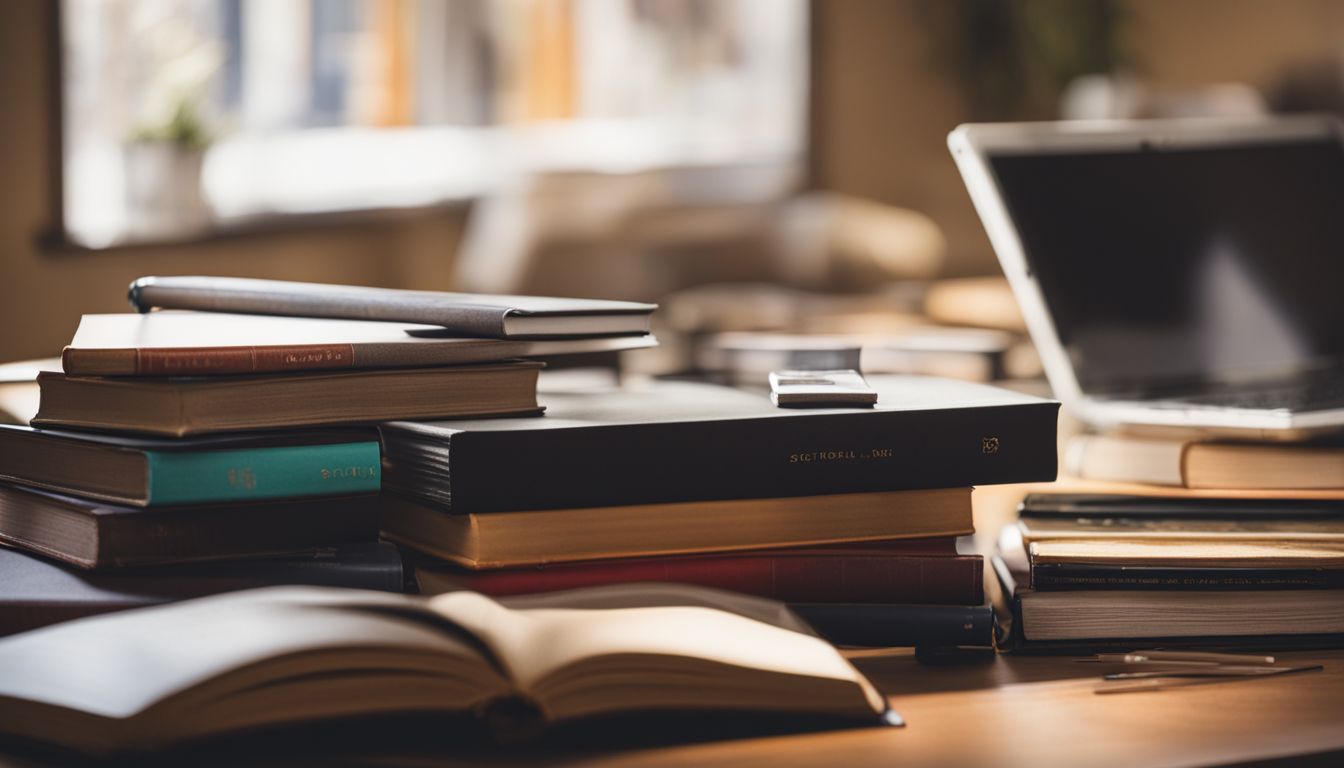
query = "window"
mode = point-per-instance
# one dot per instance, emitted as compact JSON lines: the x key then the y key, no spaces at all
{"x":186,"y":115}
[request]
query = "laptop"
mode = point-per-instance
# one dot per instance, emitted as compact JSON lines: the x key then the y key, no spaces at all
{"x":1175,"y":274}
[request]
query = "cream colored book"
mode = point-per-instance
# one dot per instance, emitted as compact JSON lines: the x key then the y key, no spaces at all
{"x":1198,"y":464}
{"x":160,"y":676}
{"x":1185,"y":543}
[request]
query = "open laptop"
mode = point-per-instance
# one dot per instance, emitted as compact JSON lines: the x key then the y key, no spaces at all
{"x":1183,"y":274}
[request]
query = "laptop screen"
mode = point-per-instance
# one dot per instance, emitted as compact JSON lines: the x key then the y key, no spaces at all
{"x":1167,"y":267}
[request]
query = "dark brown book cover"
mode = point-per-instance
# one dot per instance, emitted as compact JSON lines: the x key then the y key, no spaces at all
{"x":177,"y":407}
{"x":91,"y":534}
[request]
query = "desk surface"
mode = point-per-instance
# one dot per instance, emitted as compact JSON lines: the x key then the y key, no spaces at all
{"x":1042,"y":712}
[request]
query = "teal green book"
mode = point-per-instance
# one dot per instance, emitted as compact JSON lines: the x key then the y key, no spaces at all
{"x":177,"y":477}
{"x":168,"y":472}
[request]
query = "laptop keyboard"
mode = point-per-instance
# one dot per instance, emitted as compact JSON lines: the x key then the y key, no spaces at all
{"x":1314,"y":393}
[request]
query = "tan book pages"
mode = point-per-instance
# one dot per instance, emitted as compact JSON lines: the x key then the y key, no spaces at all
{"x":1070,"y":484}
{"x":507,"y":539}
{"x":215,"y":343}
{"x":1191,"y":553}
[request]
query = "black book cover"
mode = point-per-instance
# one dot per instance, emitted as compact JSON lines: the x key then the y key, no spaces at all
{"x":1119,"y":505}
{"x":1075,"y":576}
{"x":38,"y":592}
{"x":678,"y":441}
{"x":879,"y":625}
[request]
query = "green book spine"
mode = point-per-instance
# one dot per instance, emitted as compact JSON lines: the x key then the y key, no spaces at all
{"x":263,"y":473}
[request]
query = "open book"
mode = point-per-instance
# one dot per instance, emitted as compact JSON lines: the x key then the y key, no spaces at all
{"x":160,"y":676}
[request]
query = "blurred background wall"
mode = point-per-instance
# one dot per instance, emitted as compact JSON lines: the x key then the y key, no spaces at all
{"x":881,"y":103}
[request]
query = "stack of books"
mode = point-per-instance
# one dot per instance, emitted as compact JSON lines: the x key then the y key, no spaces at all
{"x":1173,"y":542}
{"x":183,"y":453}
{"x":849,"y":515}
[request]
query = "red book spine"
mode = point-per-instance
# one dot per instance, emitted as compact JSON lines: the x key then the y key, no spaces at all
{"x":188,"y":361}
{"x":949,"y":580}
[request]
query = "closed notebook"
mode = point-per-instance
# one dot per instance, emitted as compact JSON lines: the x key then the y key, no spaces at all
{"x":1208,"y":465}
{"x":95,"y":534}
{"x":179,"y":407}
{"x":679,"y":441}
{"x":39,"y":592}
{"x":911,"y":571}
{"x":1174,"y":616}
{"x":147,"y":472}
{"x":175,"y":343}
{"x":513,"y":539}
{"x":466,"y":314}
{"x":156,"y":677}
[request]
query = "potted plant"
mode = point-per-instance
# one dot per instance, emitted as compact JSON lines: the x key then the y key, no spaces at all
{"x":163,"y":174}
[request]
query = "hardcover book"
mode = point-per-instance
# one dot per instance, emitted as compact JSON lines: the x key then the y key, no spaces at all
{"x":1203,"y":464}
{"x":1171,"y":617}
{"x":94,"y":534}
{"x":147,"y":472}
{"x":39,"y":592}
{"x":174,"y":343}
{"x":529,"y":538}
{"x":1220,"y":561}
{"x":159,"y":676}
{"x":465,"y":314}
{"x":179,"y":407}
{"x":895,"y":626}
{"x":678,"y":441}
{"x":910,"y":571}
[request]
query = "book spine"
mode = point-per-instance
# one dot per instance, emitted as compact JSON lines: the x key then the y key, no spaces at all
{"x":188,"y":361}
{"x":265,"y":528}
{"x":262,"y":473}
{"x":750,"y":458}
{"x":899,"y":625}
{"x":366,"y":565}
{"x":937,"y":580}
{"x":1068,"y":577}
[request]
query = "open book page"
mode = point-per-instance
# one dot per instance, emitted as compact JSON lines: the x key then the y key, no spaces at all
{"x":583,"y":661}
{"x":651,"y":594}
{"x":120,"y":665}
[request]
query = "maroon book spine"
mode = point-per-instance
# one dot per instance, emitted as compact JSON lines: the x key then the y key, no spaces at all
{"x":802,"y":578}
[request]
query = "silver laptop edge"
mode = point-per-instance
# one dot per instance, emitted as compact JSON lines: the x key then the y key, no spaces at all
{"x":970,"y":146}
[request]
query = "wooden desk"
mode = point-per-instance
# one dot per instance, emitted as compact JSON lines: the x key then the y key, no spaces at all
{"x":1042,"y":712}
